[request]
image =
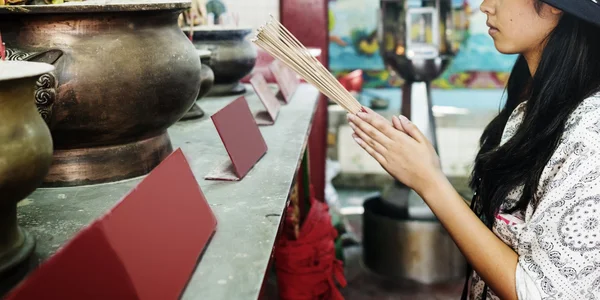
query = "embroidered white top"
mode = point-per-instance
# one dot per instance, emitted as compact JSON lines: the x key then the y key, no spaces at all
{"x":559,"y":243}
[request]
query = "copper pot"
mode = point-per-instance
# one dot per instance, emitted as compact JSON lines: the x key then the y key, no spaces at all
{"x":233,"y":56}
{"x":25,"y":158}
{"x":124,"y":74}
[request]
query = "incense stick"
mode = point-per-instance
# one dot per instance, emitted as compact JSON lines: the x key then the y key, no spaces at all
{"x":274,"y":38}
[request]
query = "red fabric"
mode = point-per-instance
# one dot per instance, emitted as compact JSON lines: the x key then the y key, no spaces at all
{"x":307,"y":268}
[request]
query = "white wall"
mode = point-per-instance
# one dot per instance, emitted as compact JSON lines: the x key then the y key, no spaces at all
{"x":253,"y":13}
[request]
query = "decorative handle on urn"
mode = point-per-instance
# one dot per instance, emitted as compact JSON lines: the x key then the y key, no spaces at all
{"x":47,"y":84}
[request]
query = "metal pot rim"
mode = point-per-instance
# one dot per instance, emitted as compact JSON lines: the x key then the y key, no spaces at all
{"x":11,"y":70}
{"x":217,"y":28}
{"x":218,"y":32}
{"x":97,"y":6}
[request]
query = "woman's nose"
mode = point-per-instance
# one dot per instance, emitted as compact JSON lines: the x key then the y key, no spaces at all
{"x":487,"y":7}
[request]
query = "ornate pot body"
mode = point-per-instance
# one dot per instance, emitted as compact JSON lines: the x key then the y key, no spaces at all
{"x":232,"y":56}
{"x":25,"y":158}
{"x":124,"y":74}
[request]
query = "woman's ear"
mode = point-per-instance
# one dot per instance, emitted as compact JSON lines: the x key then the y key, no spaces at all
{"x":555,"y":11}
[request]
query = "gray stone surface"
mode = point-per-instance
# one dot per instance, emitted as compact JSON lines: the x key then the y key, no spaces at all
{"x":249,"y":212}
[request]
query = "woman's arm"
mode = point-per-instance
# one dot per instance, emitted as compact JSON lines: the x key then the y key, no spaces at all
{"x":405,"y":153}
{"x":493,"y":260}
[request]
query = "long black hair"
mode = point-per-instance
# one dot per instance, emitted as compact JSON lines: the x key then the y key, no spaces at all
{"x":568,"y":73}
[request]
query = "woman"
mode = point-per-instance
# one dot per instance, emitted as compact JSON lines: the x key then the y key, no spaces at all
{"x":537,"y":175}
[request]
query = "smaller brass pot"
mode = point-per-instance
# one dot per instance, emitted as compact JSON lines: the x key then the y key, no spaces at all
{"x":25,"y":158}
{"x":233,"y":56}
{"x":207,"y":74}
{"x":206,"y":82}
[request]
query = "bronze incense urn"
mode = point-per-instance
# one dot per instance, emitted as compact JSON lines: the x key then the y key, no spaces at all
{"x":233,"y":56}
{"x":125,"y":72}
{"x":25,"y":158}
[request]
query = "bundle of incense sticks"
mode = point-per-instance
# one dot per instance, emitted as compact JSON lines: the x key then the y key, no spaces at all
{"x":274,"y":38}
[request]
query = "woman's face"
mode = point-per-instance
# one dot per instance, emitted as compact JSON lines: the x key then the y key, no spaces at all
{"x":517,"y":27}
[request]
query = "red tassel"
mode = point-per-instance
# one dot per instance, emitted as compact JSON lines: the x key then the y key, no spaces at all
{"x":307,"y":268}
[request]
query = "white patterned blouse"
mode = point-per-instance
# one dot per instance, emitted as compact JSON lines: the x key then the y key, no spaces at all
{"x":559,"y":243}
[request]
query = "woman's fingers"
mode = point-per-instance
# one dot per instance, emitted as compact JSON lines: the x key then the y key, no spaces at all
{"x":378,"y":122}
{"x":412,"y":130}
{"x":368,"y":140}
{"x":376,"y":155}
{"x":376,"y":115}
{"x":397,"y":124}
{"x":368,"y":129}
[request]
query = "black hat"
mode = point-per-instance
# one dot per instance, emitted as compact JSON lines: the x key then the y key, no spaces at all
{"x":588,"y":10}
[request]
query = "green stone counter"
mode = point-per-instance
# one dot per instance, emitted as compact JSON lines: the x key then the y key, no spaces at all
{"x":249,"y":212}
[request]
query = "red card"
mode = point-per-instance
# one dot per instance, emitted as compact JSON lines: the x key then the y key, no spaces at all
{"x":284,"y":83}
{"x":291,"y":77}
{"x":268,"y":98}
{"x":242,"y":140}
{"x":145,"y":248}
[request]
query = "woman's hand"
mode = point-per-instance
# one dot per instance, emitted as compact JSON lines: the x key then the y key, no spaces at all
{"x":400,"y":148}
{"x":406,"y":154}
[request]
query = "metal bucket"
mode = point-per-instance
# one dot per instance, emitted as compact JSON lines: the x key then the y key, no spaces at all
{"x":399,"y":248}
